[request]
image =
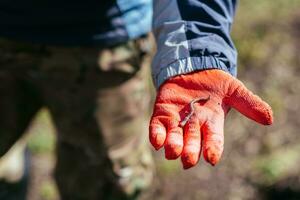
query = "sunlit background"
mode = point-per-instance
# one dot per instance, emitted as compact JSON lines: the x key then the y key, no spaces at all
{"x":259,"y":162}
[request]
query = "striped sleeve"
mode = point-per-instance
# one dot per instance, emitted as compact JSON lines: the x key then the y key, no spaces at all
{"x":192,"y":35}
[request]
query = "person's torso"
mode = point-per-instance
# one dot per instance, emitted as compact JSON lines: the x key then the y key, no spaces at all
{"x":76,"y":22}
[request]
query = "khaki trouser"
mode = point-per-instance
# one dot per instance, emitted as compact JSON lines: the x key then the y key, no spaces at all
{"x":99,"y":101}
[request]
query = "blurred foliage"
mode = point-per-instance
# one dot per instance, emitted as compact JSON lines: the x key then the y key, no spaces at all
{"x":278,"y":164}
{"x":168,"y":167}
{"x":41,"y":143}
{"x":48,"y":191}
{"x":42,"y":139}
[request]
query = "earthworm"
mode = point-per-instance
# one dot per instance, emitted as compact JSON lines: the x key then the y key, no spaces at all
{"x":192,"y":109}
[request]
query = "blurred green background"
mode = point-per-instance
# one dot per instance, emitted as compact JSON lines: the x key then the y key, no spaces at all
{"x":258,"y":162}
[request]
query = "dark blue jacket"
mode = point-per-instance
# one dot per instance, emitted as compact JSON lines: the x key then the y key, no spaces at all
{"x":75,"y":22}
{"x":190,"y":34}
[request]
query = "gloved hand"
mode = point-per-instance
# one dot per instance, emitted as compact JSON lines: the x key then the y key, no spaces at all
{"x":189,"y":114}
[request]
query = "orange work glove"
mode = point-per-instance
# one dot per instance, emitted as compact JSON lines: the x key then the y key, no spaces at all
{"x":189,"y":114}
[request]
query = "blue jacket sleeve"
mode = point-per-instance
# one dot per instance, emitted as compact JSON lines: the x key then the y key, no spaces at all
{"x":192,"y":35}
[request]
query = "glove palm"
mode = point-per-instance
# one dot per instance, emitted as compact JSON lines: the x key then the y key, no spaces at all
{"x":189,"y":114}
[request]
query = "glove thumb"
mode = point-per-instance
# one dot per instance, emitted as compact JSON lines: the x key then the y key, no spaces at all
{"x":248,"y":104}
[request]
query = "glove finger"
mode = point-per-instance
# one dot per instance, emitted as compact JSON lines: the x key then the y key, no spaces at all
{"x":157,"y":133}
{"x":192,"y":143}
{"x":174,"y":143}
{"x":249,"y":104}
{"x":213,"y":140}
